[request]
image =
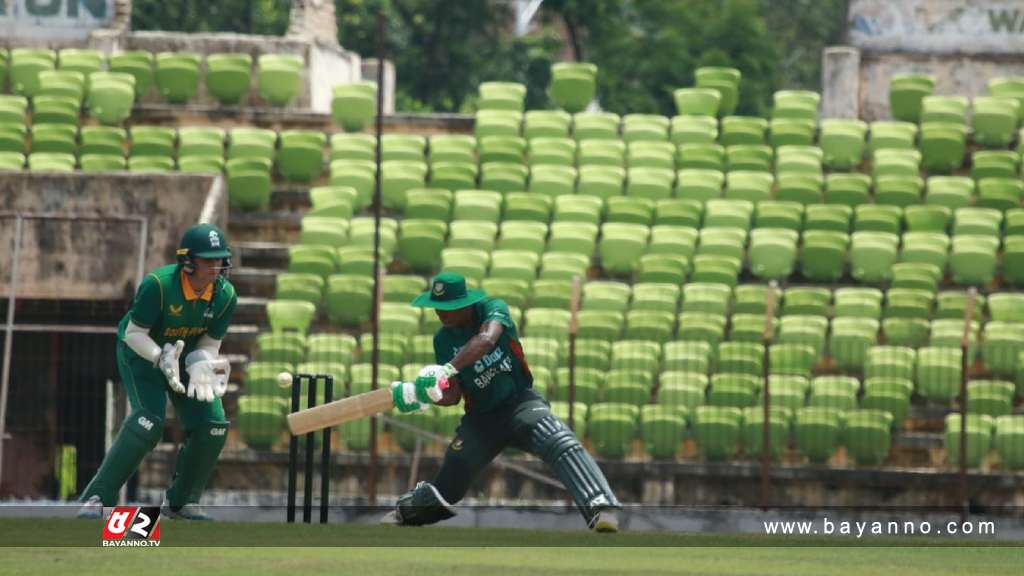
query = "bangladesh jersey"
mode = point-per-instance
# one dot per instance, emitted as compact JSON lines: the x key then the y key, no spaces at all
{"x":166,"y":304}
{"x":500,"y":374}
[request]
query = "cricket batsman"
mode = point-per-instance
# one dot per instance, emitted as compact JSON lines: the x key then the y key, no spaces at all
{"x":169,"y":343}
{"x":480,"y":360}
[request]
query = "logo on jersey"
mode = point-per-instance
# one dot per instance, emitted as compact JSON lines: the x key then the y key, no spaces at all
{"x":133,"y":527}
{"x":438,"y":288}
{"x":214,"y":239}
{"x":175,"y":310}
{"x":456,"y":444}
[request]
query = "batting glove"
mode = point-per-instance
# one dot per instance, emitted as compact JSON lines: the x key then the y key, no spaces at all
{"x":405,"y":398}
{"x":168,"y":365}
{"x":440,"y":373}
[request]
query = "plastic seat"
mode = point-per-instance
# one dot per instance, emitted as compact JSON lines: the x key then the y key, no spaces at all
{"x":742,"y":130}
{"x":353,"y":105}
{"x":872,"y":255}
{"x":979,"y":439}
{"x":866,"y":435}
{"x":943,"y":145}
{"x":816,"y":432}
{"x":851,"y":338}
{"x":823,"y":255}
{"x":843,"y":142}
{"x":994,"y":164}
{"x":701,"y":130}
{"x":601,"y":152}
{"x":906,"y":93}
{"x":139,"y":64}
{"x":706,"y":156}
{"x":228,"y":77}
{"x":596,"y":125}
{"x":772,"y":252}
{"x":249,"y":182}
{"x":644,"y":127}
{"x":300,"y":158}
{"x":550,"y":180}
{"x":177,"y":76}
{"x":279,"y":76}
{"x":609,"y":296}
{"x":477,"y":205}
{"x":523,"y":235}
{"x":717,"y":431}
{"x":1009,"y":441}
{"x":993,"y":119}
{"x":849,"y":189}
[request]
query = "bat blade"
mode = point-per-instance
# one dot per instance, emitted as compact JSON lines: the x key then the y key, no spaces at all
{"x":334,"y":413}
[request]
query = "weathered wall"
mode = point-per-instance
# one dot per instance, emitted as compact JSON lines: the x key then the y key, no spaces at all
{"x":97,"y":260}
{"x":963,"y":43}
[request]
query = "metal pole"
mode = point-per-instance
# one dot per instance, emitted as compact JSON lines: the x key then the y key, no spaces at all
{"x":325,"y":456}
{"x":574,"y":307}
{"x":766,"y":429}
{"x":371,"y":493}
{"x":307,"y":475}
{"x":965,"y":341}
{"x":8,"y":339}
{"x":293,"y":453}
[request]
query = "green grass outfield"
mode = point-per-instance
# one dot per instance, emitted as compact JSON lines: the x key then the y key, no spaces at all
{"x":369,"y":550}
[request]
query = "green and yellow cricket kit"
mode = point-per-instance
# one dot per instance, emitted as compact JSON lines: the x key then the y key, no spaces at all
{"x":167,"y":306}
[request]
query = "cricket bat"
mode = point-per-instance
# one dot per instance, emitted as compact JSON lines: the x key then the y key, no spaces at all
{"x":334,"y":413}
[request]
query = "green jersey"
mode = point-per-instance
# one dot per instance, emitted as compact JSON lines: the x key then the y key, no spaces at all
{"x":167,"y":306}
{"x":502,"y":373}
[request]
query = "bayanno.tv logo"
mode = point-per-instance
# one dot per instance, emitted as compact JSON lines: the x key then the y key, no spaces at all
{"x":132,"y":527}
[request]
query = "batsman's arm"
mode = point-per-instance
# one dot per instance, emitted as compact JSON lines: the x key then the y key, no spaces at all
{"x":478,"y":346}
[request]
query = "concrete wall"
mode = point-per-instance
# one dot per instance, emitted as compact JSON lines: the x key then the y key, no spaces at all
{"x":963,"y":43}
{"x":95,"y":259}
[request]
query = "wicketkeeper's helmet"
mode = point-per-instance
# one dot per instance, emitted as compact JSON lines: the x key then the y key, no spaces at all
{"x":203,"y":241}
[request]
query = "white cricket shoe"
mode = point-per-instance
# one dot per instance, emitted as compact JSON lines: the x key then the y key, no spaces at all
{"x":391,"y":519}
{"x":605,"y":522}
{"x":186,"y":512}
{"x":92,"y":509}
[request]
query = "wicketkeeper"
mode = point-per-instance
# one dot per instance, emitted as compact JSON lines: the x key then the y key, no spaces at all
{"x":480,"y":360}
{"x":169,"y":342}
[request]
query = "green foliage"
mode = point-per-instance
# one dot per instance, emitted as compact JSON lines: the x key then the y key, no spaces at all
{"x":268,"y":17}
{"x":802,"y":29}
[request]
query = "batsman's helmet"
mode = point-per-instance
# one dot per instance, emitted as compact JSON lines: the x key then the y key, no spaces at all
{"x":203,"y":241}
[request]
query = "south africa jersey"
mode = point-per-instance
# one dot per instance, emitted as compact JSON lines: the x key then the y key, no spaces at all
{"x":167,"y":306}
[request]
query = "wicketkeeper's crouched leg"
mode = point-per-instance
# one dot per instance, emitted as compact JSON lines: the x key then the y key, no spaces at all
{"x":553,"y":442}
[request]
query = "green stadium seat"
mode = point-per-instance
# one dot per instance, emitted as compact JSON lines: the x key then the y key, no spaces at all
{"x":25,"y":66}
{"x":228,"y":77}
{"x":546,"y":124}
{"x":137,"y":63}
{"x":772,"y":252}
{"x":453,"y":175}
{"x":652,"y":127}
{"x":523,"y":235}
{"x":706,"y":156}
{"x":497,"y":123}
{"x":725,"y":81}
{"x":1009,"y":441}
{"x":557,"y":151}
{"x":261,"y":420}
{"x":301,"y":156}
{"x":993,"y":120}
{"x":279,"y":76}
{"x":717,"y":431}
{"x":943,"y":145}
{"x":816,"y":432}
{"x":549,"y":180}
{"x":51,"y":161}
{"x":742,"y":130}
{"x":693,"y":130}
{"x":952,"y":109}
{"x":596,"y":125}
{"x":288,"y":347}
{"x":979,"y":439}
{"x":791,"y":131}
{"x":663,"y":430}
{"x":177,"y":76}
{"x":53,"y":138}
{"x":843,"y":142}
{"x":599,"y":152}
{"x":753,"y":431}
{"x":994,"y":164}
{"x":482,"y":205}
{"x":331,"y":348}
{"x":651,"y":154}
{"x":851,"y":338}
{"x":501,"y":96}
{"x":950,"y":191}
{"x":697,"y":101}
{"x":866,"y":436}
{"x":573,"y":85}
{"x":906,"y":93}
{"x":847,"y":189}
{"x":12,"y":160}
{"x":249,"y":182}
{"x":823,"y":256}
{"x":353,"y":105}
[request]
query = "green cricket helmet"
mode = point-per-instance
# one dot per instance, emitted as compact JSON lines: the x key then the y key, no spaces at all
{"x":204,"y":241}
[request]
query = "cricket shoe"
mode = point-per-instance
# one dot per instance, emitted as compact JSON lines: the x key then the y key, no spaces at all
{"x":606,"y":521}
{"x":391,"y":519}
{"x":92,"y":509}
{"x":186,"y":512}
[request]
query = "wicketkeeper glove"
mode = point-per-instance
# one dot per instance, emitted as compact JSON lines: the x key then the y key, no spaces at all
{"x":168,"y":365}
{"x":207,"y":375}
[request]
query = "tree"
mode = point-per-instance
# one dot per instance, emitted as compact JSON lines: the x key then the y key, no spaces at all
{"x":268,"y":17}
{"x":645,"y":49}
{"x":802,"y":29}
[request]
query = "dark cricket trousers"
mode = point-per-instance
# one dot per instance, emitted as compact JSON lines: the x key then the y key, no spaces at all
{"x":481,"y":437}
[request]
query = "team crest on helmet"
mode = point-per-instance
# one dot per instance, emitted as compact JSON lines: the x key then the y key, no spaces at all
{"x":214,"y":239}
{"x":438,"y":288}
